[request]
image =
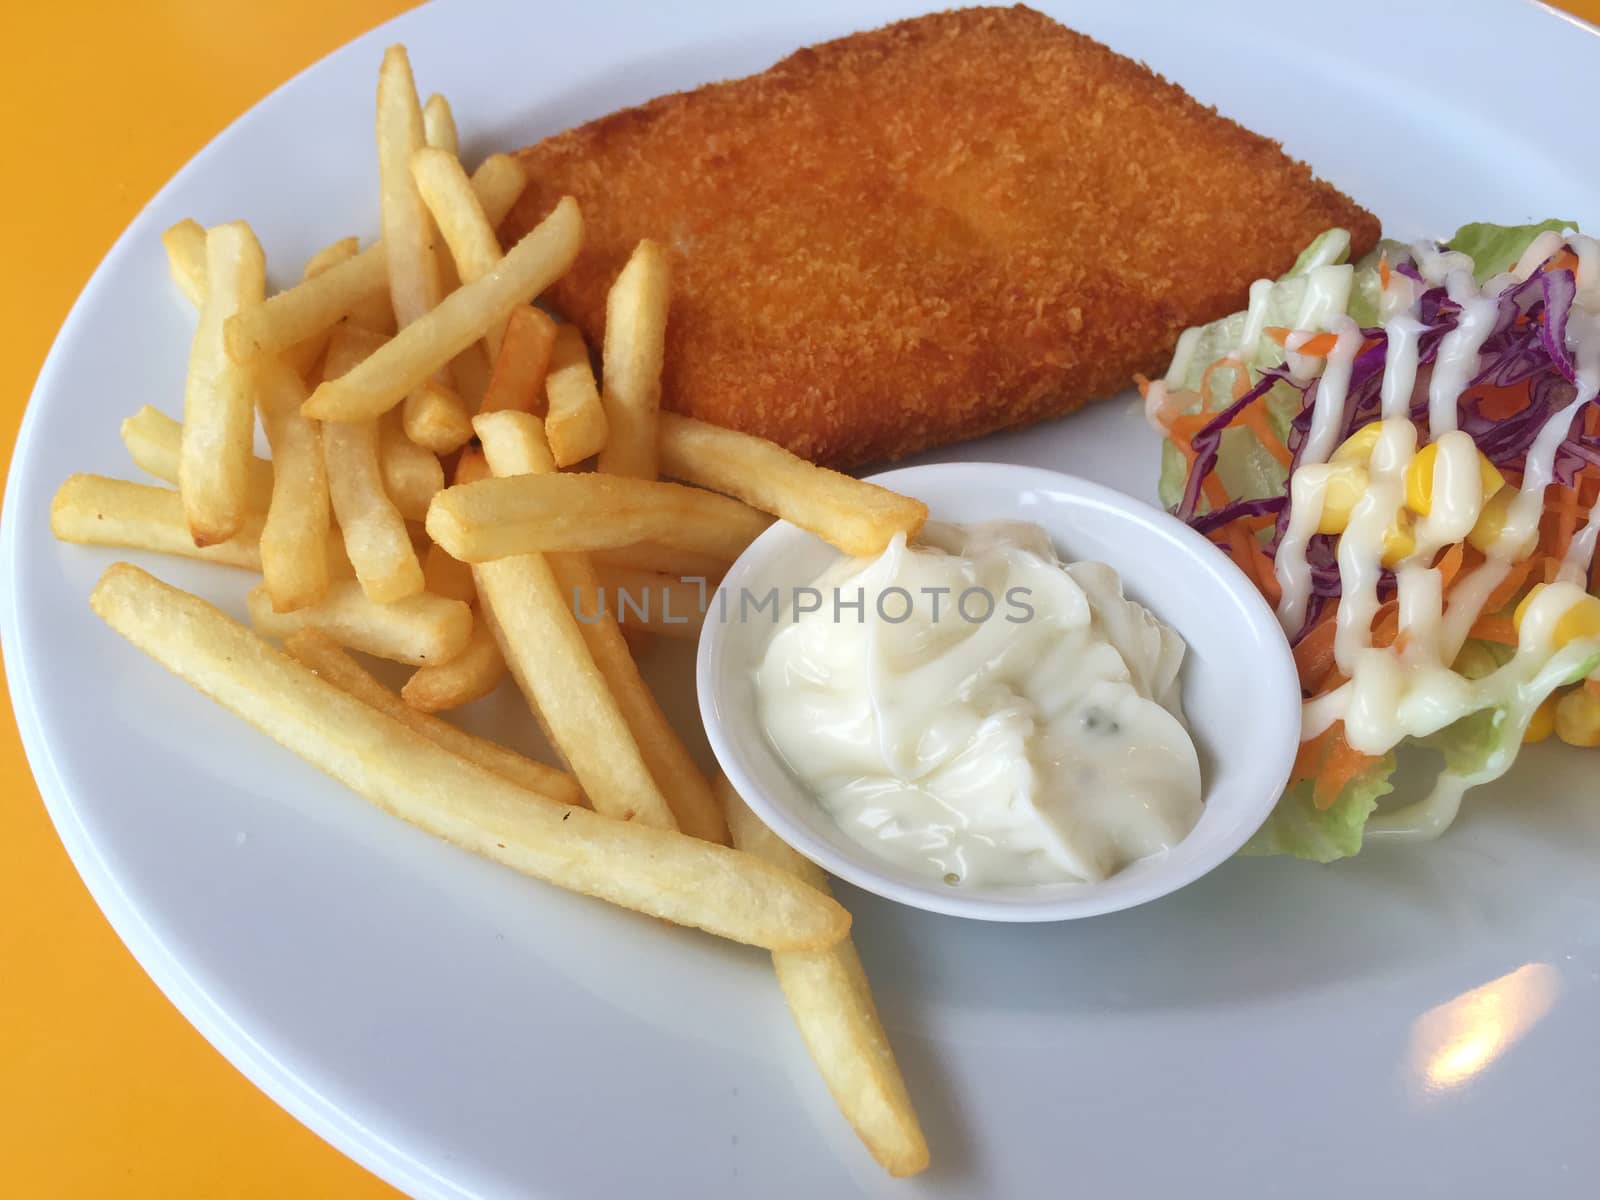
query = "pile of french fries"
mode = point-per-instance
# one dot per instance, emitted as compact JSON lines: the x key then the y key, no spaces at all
{"x":386,"y":373}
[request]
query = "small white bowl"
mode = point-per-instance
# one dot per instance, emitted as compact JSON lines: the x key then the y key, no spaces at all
{"x":1241,"y":693}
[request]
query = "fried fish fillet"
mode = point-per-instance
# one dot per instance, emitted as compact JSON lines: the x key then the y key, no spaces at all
{"x":956,"y":224}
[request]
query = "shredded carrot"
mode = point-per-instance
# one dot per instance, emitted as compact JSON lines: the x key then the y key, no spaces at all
{"x":1450,"y":562}
{"x":1184,"y":427}
{"x":1313,"y":653}
{"x":1501,"y":403}
{"x":1313,"y":347}
{"x":1383,"y":270}
{"x":1386,"y":624}
{"x":1494,"y":629}
{"x":1253,"y":561}
{"x":1565,"y":502}
{"x":1329,"y":760}
{"x":1562,"y":260}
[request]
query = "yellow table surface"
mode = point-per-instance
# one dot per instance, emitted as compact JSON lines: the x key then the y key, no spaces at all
{"x":104,"y":1089}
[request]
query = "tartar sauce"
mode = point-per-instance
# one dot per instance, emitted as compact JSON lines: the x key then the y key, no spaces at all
{"x":973,"y":710}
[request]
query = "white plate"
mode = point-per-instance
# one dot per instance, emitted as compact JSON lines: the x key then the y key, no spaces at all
{"x":1414,"y":1022}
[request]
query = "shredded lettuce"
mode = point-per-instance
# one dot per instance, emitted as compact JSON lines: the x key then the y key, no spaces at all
{"x":1496,"y":248}
{"x":1298,"y":827}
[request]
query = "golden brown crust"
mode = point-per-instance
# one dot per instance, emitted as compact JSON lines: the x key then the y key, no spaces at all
{"x":955,"y":224}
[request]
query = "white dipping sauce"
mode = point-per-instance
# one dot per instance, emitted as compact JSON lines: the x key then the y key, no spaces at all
{"x":1002,"y":718}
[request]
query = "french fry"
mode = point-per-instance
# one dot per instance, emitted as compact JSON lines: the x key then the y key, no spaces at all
{"x":219,"y":395}
{"x":648,"y":601}
{"x":372,"y":312}
{"x":319,"y":652}
{"x":857,"y":517}
{"x":418,"y":630}
{"x":412,"y":474}
{"x":303,"y":356}
{"x":656,"y":872}
{"x":493,"y":518}
{"x":831,"y":1000}
{"x":663,"y":560}
{"x":311,"y":307}
{"x":635,"y":337}
{"x":472,"y":674}
{"x":435,"y":416}
{"x":407,"y":227}
{"x":497,"y":183}
{"x":471,"y":466}
{"x":471,"y":371}
{"x":518,"y":379}
{"x":185,"y":244}
{"x":95,"y":511}
{"x":296,"y":536}
{"x":374,"y":532}
{"x":473,"y":247}
{"x":465,"y":315}
{"x":439,"y":125}
{"x":514,"y":444}
{"x":446,"y":576}
{"x":154,"y":439}
{"x":357,"y":288}
{"x":547,"y":654}
{"x":330,"y":256}
{"x":575,"y":419}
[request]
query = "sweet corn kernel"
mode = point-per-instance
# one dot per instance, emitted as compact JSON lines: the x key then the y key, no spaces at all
{"x":1358,"y":447}
{"x":1582,"y":620}
{"x":1491,"y":521}
{"x":1543,"y":722}
{"x":1419,"y":479}
{"x":1524,"y":605}
{"x":1399,"y":540}
{"x":1344,"y":487}
{"x":1578,"y":718}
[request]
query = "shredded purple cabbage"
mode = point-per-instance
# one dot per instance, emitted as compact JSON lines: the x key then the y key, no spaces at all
{"x":1526,"y":346}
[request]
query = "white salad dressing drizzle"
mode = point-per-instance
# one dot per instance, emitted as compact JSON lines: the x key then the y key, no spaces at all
{"x":1457,"y":501}
{"x":1309,"y":485}
{"x":1579,"y":561}
{"x":1541,"y":248}
{"x":1255,"y":317}
{"x":1360,"y":548}
{"x":1182,"y":357}
{"x":1588,"y":276}
{"x":1435,"y":265}
{"x":1459,"y":359}
{"x":1327,"y":296}
{"x":1400,"y":362}
{"x":1521,"y":529}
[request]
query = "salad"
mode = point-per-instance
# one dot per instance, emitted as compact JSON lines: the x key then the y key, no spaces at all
{"x":1404,"y":455}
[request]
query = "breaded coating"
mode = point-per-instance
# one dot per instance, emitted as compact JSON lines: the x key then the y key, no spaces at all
{"x":956,"y":224}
